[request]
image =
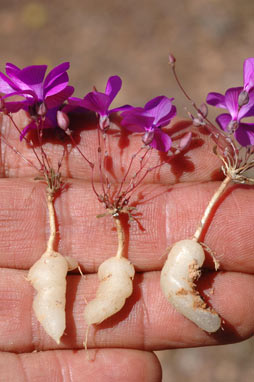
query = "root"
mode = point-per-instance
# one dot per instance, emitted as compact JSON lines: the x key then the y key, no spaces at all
{"x":178,"y":277}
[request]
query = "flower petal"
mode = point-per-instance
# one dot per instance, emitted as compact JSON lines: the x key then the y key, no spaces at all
{"x":216,"y":99}
{"x":11,"y":70}
{"x":31,"y":77}
{"x":159,"y":108}
{"x":56,"y":86}
{"x":248,"y":74}
{"x":75,"y":101}
{"x":135,"y":120}
{"x":161,"y":141}
{"x":57,"y":99}
{"x":245,"y":134}
{"x":14,"y":106}
{"x":231,"y":101}
{"x":55,"y":73}
{"x":22,"y":93}
{"x":120,"y":108}
{"x":113,"y":86}
{"x":166,"y":120}
{"x":223,"y":120}
{"x":97,"y":102}
{"x":29,"y":127}
{"x":6,"y":85}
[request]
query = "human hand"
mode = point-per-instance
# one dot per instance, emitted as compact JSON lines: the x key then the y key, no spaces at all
{"x":170,"y":205}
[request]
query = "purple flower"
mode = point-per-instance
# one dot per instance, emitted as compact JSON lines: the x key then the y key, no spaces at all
{"x":231,"y":122}
{"x":148,"y":120}
{"x":100,"y":102}
{"x":248,"y":74}
{"x":40,"y":94}
{"x":30,"y":82}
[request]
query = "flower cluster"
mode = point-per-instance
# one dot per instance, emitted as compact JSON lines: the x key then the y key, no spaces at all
{"x":44,"y":97}
{"x":48,"y":99}
{"x":41,"y":97}
{"x":239,"y":102}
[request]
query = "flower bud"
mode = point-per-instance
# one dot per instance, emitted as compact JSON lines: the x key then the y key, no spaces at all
{"x":63,"y":120}
{"x":171,"y":59}
{"x":148,"y":137}
{"x":204,"y":110}
{"x":243,"y":98}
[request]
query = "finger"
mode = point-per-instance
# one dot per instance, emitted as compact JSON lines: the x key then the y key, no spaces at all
{"x":147,"y":320}
{"x":111,"y":365}
{"x":198,"y":163}
{"x":167,"y":215}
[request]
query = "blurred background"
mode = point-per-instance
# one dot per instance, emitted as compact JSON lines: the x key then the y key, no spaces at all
{"x":131,"y":38}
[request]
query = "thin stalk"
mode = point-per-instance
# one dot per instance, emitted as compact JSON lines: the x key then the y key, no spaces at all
{"x":131,"y":184}
{"x":41,"y":150}
{"x":106,"y":151}
{"x":121,"y":239}
{"x":80,"y":152}
{"x":135,"y":185}
{"x":181,"y":87}
{"x":210,"y":206}
{"x":150,"y":169}
{"x":247,"y":166}
{"x":100,"y":163}
{"x":92,"y":181}
{"x":43,"y":154}
{"x":210,"y":126}
{"x":29,"y":144}
{"x":52,"y":222}
{"x":20,"y":154}
{"x":127,"y":172}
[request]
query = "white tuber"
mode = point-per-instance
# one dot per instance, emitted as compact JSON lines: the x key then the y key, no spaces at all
{"x":177,"y":282}
{"x":48,"y":277}
{"x":182,"y":268}
{"x":115,"y":275}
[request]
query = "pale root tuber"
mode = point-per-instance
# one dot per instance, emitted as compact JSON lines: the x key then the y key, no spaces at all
{"x":177,"y":282}
{"x":115,"y":275}
{"x":48,"y":277}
